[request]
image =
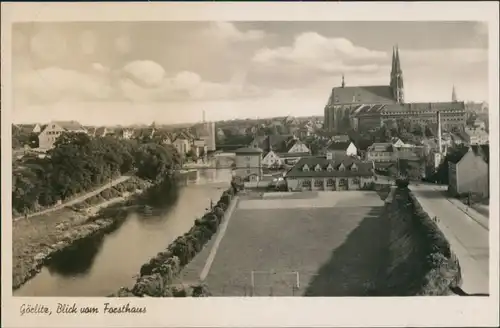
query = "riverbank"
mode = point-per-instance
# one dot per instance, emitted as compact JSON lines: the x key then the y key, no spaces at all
{"x":157,"y":277}
{"x":37,"y":239}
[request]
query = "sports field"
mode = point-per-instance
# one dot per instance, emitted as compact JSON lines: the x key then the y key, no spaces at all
{"x":322,"y":244}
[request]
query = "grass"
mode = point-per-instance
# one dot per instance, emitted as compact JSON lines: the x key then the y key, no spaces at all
{"x":332,"y":248}
{"x":31,"y":236}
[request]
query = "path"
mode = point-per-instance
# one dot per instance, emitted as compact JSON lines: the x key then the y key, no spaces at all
{"x":79,"y":199}
{"x":220,"y":235}
{"x":467,"y":236}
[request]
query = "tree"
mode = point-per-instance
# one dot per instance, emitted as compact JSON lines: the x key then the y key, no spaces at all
{"x":78,"y":163}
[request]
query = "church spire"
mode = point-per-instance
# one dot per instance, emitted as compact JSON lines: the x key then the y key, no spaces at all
{"x":397,"y":84}
{"x":453,"y":95}
{"x":343,"y":81}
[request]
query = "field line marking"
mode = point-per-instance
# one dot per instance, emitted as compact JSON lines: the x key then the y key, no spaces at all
{"x":218,"y":239}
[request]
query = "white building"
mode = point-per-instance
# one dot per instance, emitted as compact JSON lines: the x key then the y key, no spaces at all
{"x":53,"y":130}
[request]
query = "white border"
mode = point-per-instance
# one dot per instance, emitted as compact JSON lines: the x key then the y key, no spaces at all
{"x":263,"y":312}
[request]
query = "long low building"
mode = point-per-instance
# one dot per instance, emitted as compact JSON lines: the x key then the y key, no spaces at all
{"x":323,"y":173}
{"x":366,"y":117}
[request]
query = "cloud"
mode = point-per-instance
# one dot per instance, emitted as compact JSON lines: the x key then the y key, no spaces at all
{"x":49,"y":45}
{"x":138,"y":81}
{"x":88,"y":42}
{"x":123,"y":44}
{"x":227,"y":31}
{"x":186,"y":86}
{"x":54,"y":84}
{"x":146,"y":73}
{"x":442,"y":58}
{"x":481,"y":28}
{"x":313,"y":51}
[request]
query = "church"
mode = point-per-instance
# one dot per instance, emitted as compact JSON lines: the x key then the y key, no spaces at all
{"x":367,"y":107}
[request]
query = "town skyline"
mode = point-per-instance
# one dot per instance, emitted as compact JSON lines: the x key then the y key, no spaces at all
{"x":111,"y":73}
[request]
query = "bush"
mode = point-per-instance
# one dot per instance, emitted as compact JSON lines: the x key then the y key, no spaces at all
{"x":165,"y":266}
{"x":439,"y":268}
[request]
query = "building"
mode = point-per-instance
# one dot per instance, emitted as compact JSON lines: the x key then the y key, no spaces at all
{"x":206,"y":131}
{"x":474,"y":136}
{"x":381,"y":152}
{"x":322,"y":173}
{"x":199,"y":148}
{"x":341,"y":148}
{"x":248,"y":163}
{"x":280,"y":150}
{"x":344,"y":100}
{"x":53,"y":131}
{"x":37,"y":128}
{"x":367,"y":117}
{"x":182,"y":143}
{"x":470,"y":172}
{"x":365,"y":108}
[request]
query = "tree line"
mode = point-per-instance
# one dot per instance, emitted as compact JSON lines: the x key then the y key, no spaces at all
{"x":78,"y":163}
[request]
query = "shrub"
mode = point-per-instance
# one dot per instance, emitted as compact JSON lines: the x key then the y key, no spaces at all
{"x":159,"y":272}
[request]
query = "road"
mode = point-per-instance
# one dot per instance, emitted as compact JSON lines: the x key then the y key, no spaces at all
{"x":467,"y":234}
{"x":80,"y":198}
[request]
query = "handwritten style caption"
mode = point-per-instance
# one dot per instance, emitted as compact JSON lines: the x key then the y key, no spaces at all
{"x":72,"y":308}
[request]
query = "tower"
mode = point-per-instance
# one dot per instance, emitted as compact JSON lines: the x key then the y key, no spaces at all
{"x":453,"y":95}
{"x":397,"y":84}
{"x":343,"y":81}
{"x":203,"y":116}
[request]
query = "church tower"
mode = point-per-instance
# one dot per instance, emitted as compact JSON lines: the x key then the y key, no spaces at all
{"x":397,"y":84}
{"x":453,"y":95}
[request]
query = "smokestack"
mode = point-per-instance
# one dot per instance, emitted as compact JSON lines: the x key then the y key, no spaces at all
{"x":439,"y":132}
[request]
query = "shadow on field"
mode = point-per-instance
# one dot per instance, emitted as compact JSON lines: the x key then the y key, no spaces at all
{"x":357,"y":266}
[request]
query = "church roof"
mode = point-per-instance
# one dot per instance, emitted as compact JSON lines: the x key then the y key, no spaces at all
{"x":375,"y":94}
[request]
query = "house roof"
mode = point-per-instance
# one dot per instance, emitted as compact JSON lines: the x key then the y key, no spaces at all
{"x":291,"y":155}
{"x":482,"y":151}
{"x":100,"y":131}
{"x":248,"y":150}
{"x":70,"y":125}
{"x":381,"y":146}
{"x":339,"y":145}
{"x":363,"y":168}
{"x":456,"y":155}
{"x":342,"y":137}
{"x":381,"y":94}
{"x":277,"y":142}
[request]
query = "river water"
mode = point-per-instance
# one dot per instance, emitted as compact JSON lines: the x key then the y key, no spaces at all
{"x":100,"y":266}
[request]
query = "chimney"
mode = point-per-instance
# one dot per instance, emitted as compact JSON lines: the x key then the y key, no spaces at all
{"x":439,"y":132}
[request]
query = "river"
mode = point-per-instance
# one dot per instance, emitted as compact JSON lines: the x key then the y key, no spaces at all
{"x":100,"y":266}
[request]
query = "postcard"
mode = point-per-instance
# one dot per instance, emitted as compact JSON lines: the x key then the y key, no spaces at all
{"x":249,"y":164}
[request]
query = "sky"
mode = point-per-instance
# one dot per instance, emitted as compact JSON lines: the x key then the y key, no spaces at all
{"x":103,"y":73}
